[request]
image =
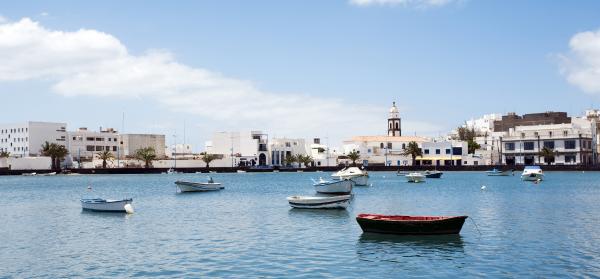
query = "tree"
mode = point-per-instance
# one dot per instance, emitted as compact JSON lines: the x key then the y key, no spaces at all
{"x":304,"y":159}
{"x":413,"y":150}
{"x":48,"y":150}
{"x":146,"y":154}
{"x":472,"y":146}
{"x":354,"y":156}
{"x":60,"y":152}
{"x":289,"y":160}
{"x":4,"y":154}
{"x":207,"y":158}
{"x":105,"y":156}
{"x":466,"y":134}
{"x":548,"y":155}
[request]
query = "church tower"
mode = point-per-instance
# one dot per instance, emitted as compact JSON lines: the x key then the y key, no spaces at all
{"x":394,"y":126}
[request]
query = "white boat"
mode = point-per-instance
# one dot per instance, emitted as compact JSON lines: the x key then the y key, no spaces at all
{"x":532,"y":173}
{"x":415,"y":177}
{"x":187,"y":186}
{"x":47,"y":174}
{"x":360,"y":177}
{"x":241,"y":171}
{"x":334,"y":187}
{"x":29,"y":174}
{"x":318,"y":202}
{"x":107,"y":205}
{"x":497,"y":172}
{"x":171,"y":171}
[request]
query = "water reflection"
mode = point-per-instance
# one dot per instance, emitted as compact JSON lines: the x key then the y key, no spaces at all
{"x":383,"y":247}
{"x":100,"y":214}
{"x":318,"y":213}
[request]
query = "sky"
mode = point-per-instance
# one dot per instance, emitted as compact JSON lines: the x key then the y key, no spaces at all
{"x":327,"y":69}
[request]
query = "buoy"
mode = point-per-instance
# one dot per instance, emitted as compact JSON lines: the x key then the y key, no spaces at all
{"x":483,"y":187}
{"x":128,"y":208}
{"x":89,"y":187}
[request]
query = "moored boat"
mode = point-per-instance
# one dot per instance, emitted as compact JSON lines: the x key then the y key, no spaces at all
{"x":188,"y":186}
{"x":415,"y":177}
{"x":410,"y":225}
{"x":360,"y":177}
{"x":107,"y":205}
{"x":334,"y":187}
{"x":497,"y":172}
{"x":433,"y":174}
{"x":318,"y":202}
{"x":532,"y":173}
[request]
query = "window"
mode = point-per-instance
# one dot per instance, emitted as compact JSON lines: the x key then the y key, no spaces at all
{"x":437,"y":151}
{"x":114,"y":148}
{"x":389,"y":145}
{"x":509,"y":146}
{"x":89,"y":148}
{"x":569,"y":144}
{"x":550,"y":134}
{"x":397,"y":127}
{"x":426,"y":151}
{"x":457,"y":151}
{"x":89,"y":139}
{"x":99,"y":148}
{"x":99,"y":139}
{"x":74,"y":138}
{"x":536,"y":134}
{"x":528,"y":145}
{"x":565,"y":133}
{"x":109,"y":139}
{"x":404,"y":146}
{"x":549,"y":144}
{"x":447,"y":150}
{"x":570,"y":158}
{"x":522,"y":135}
{"x":381,"y":145}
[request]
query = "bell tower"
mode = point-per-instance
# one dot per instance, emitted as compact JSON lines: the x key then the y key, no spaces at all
{"x":394,"y":124}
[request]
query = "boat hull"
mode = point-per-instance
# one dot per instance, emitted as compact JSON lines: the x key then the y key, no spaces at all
{"x":434,"y":175}
{"x":336,"y":202}
{"x":185,"y":186}
{"x":335,"y":187}
{"x":360,"y":177}
{"x":502,"y":173}
{"x":532,"y":177}
{"x":445,"y":225}
{"x":101,"y":205}
{"x":415,"y":178}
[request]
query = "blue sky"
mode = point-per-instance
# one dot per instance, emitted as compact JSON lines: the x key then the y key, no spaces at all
{"x":331,"y":68}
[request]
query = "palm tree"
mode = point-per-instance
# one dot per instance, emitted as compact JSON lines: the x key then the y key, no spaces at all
{"x":60,"y":152}
{"x":290,"y":160}
{"x":207,"y":158}
{"x":304,"y":159}
{"x":146,"y":154}
{"x":548,"y":155}
{"x":4,"y":154}
{"x":48,"y":149}
{"x":105,"y":156}
{"x":354,"y":156}
{"x":413,"y":150}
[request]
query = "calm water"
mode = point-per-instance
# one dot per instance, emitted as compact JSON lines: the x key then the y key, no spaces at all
{"x":248,"y":229}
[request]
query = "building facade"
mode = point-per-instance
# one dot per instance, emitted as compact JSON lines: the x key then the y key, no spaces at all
{"x":513,"y":120}
{"x":570,"y":144}
{"x":84,"y":144}
{"x":282,"y":148}
{"x":248,"y":148}
{"x":132,"y":142}
{"x":26,"y":139}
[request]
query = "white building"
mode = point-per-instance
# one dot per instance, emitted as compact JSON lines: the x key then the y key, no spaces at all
{"x":180,"y":150}
{"x":281,"y":148}
{"x":132,"y":142}
{"x":248,"y":148}
{"x":26,"y":139}
{"x":84,"y":144}
{"x":484,"y":124}
{"x":570,"y":143}
{"x":381,"y":150}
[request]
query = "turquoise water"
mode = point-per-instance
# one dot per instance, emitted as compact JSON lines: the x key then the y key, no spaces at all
{"x":248,"y":230}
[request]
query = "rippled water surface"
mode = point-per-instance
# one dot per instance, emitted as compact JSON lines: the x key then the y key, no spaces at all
{"x":248,"y":230}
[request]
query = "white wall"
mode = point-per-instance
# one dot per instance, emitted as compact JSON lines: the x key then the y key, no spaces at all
{"x":30,"y":163}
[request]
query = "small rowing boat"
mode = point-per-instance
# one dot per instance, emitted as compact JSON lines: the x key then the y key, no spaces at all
{"x":317,"y":202}
{"x":107,"y":205}
{"x":413,"y":225}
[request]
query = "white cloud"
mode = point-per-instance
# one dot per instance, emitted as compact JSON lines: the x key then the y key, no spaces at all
{"x":581,"y":66}
{"x":92,"y":63}
{"x":413,"y":3}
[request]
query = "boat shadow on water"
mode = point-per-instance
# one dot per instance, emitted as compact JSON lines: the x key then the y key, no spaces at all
{"x":318,"y":213}
{"x":393,"y":248}
{"x":106,"y":214}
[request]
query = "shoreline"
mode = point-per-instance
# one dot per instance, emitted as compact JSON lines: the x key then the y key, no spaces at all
{"x":5,"y":171}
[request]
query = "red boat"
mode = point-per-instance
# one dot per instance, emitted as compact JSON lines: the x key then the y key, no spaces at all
{"x":397,"y":224}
